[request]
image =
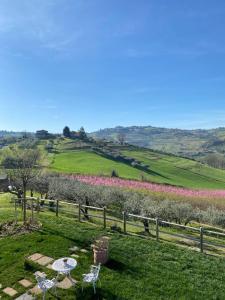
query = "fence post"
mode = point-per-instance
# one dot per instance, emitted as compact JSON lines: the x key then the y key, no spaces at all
{"x":57,"y":208}
{"x":38,"y":205}
{"x":104,"y":217}
{"x":201,"y":239}
{"x":16,"y":210}
{"x":124,"y":222}
{"x":79,"y":212}
{"x":32,"y":209}
{"x":157,"y":229}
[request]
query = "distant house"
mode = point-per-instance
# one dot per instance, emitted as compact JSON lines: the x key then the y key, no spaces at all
{"x":42,"y":134}
{"x":75,"y":134}
{"x":4,"y":183}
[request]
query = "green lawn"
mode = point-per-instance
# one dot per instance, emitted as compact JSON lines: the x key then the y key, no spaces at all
{"x":137,"y":269}
{"x":86,"y":162}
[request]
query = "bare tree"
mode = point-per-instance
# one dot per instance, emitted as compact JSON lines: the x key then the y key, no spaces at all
{"x":215,"y":160}
{"x":22,"y":166}
{"x":40,"y":184}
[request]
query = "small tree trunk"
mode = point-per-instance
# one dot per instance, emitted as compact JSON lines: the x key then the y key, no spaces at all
{"x":24,"y":202}
{"x":146,"y":226}
{"x":85,"y":210}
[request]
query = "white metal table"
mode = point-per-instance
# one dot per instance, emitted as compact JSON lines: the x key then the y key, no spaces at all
{"x":64,"y":266}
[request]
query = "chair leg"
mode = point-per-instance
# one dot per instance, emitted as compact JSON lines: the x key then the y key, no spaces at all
{"x":94,"y":287}
{"x":55,"y":291}
{"x":100,"y":284}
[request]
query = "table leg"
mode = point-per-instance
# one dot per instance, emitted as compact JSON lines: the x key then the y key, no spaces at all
{"x":70,"y":278}
{"x":57,"y":277}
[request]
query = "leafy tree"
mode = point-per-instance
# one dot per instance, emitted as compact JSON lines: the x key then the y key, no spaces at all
{"x":66,"y":132}
{"x":82,"y":133}
{"x":22,"y":167}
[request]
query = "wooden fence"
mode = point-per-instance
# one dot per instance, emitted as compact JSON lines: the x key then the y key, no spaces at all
{"x":202,"y":238}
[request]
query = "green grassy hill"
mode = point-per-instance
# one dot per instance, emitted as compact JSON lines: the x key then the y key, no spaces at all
{"x":76,"y":157}
{"x":101,"y":158}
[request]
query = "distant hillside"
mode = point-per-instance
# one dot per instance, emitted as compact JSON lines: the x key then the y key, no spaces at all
{"x":98,"y":157}
{"x":191,"y":143}
{"x":5,"y":133}
{"x":101,"y":158}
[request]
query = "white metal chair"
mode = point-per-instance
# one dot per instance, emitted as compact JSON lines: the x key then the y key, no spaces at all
{"x":45,"y":284}
{"x":92,"y":276}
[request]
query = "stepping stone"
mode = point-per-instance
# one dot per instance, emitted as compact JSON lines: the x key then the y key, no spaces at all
{"x":73,"y":249}
{"x":75,"y":256}
{"x":35,"y":256}
{"x":41,"y":274}
{"x":49,"y":267}
{"x":35,"y":290}
{"x":25,"y":283}
{"x":84,"y":251}
{"x":44,"y":260}
{"x":66,"y":283}
{"x":10,"y":291}
{"x":25,"y":296}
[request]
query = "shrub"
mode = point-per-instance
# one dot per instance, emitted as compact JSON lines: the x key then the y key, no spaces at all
{"x":114,"y":173}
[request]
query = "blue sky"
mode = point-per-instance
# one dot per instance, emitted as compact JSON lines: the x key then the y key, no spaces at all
{"x":102,"y":63}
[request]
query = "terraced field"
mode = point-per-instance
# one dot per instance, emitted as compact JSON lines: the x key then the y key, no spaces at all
{"x":163,"y":168}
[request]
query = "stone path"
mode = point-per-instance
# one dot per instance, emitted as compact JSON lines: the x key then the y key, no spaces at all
{"x":41,"y":259}
{"x":75,"y":256}
{"x":66,"y":283}
{"x":45,"y":261}
{"x":73,"y":249}
{"x":35,"y":256}
{"x":25,"y":283}
{"x":84,"y":250}
{"x":10,"y":291}
{"x":35,"y":290}
{"x":49,"y":267}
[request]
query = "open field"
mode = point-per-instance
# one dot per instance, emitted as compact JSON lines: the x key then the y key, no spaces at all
{"x":78,"y":157}
{"x":86,"y":162}
{"x":162,"y":168}
{"x":180,"y":171}
{"x":138,"y":269}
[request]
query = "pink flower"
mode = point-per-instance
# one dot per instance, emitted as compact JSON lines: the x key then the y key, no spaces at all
{"x":153,"y":187}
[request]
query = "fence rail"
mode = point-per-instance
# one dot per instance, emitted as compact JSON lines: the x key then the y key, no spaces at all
{"x":160,"y":228}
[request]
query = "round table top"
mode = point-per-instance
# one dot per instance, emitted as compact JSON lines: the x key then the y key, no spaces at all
{"x":60,"y":265}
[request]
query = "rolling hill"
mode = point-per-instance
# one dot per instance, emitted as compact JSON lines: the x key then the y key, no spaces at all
{"x":91,"y":157}
{"x":191,"y":143}
{"x":71,"y":156}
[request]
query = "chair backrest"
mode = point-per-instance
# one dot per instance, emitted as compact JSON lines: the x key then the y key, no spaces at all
{"x":95,"y":270}
{"x":41,"y":280}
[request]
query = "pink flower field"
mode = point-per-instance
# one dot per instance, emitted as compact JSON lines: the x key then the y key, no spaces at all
{"x":152,"y":187}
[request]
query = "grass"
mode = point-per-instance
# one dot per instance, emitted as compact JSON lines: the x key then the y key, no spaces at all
{"x":180,"y":171}
{"x":163,"y":168}
{"x":86,"y":162}
{"x":75,"y":156}
{"x":137,"y":269}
